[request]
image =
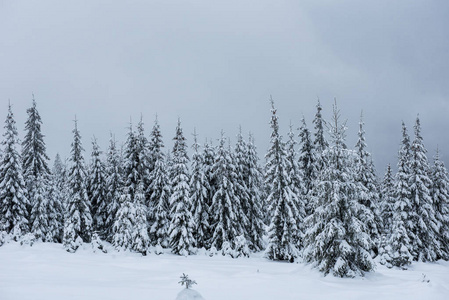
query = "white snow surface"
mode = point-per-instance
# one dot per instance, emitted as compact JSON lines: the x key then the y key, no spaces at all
{"x":189,"y":294}
{"x":46,"y":271}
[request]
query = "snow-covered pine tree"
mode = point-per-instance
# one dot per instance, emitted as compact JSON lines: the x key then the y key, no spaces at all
{"x":320,"y":143}
{"x":34,"y":156}
{"x":97,"y":191}
{"x":58,"y":193}
{"x":337,"y":240}
{"x":159,"y":192}
{"x":130,"y":226}
{"x":208,"y":164}
{"x":425,"y":242}
{"x":78,"y":218}
{"x":226,"y":207}
{"x":13,"y":201}
{"x":283,"y":229}
{"x":144,"y":161}
{"x":255,"y":228}
{"x":398,"y":246}
{"x":182,"y":224}
{"x":47,"y":212}
{"x":366,"y":175}
{"x":114,"y":184}
{"x":387,"y":201}
{"x":306,"y":159}
{"x":199,"y":186}
{"x":440,"y":197}
{"x":296,"y":185}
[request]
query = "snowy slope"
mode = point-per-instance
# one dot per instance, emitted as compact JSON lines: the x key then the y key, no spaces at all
{"x":46,"y":271}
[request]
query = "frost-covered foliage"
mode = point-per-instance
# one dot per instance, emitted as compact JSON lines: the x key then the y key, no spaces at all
{"x":208,"y":164}
{"x":130,"y":226}
{"x":387,"y":201}
{"x":182,"y":224}
{"x":253,"y":179}
{"x":397,"y":249}
{"x":114,"y":183}
{"x":297,"y":185}
{"x":306,"y":157}
{"x":337,"y":239}
{"x":78,"y":218}
{"x":227,"y":219}
{"x":199,"y":187}
{"x":97,"y":191}
{"x":13,"y":200}
{"x":424,"y":242}
{"x":34,"y":156}
{"x":144,"y":159}
{"x":440,"y":197}
{"x":283,"y":228}
{"x":159,"y":192}
{"x":369,"y":196}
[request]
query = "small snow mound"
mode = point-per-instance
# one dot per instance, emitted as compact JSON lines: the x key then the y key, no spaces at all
{"x":189,"y":294}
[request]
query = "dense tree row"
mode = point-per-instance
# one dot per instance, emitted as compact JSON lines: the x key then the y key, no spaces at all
{"x":315,"y":198}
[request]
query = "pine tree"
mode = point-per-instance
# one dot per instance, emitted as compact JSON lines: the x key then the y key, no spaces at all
{"x":97,"y":191}
{"x":297,"y":185}
{"x":182,"y":224}
{"x":78,"y":218}
{"x":398,"y":242}
{"x":319,"y":144}
{"x":440,"y":197}
{"x":58,"y":193}
{"x":283,"y":230}
{"x":35,"y":159}
{"x":130,"y":227}
{"x":387,"y":201}
{"x":208,"y":164}
{"x":13,"y":201}
{"x":366,"y":175}
{"x":228,"y":235}
{"x":159,"y":192}
{"x":425,"y":242}
{"x":199,"y":187}
{"x":46,"y":210}
{"x":337,"y":239}
{"x":114,"y":184}
{"x":306,"y":162}
{"x":255,"y":228}
{"x":143,"y":164}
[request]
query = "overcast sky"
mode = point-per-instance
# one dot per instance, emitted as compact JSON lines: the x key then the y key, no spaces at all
{"x":214,"y":64}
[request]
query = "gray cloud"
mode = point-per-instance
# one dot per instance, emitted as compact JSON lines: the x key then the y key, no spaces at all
{"x":215,"y":65}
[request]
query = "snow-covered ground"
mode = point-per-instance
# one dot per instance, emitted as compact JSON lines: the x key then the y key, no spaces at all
{"x":46,"y":271}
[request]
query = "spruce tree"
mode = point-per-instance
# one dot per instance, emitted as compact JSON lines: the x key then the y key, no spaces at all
{"x":337,"y":239}
{"x":440,"y":197}
{"x":58,"y":193}
{"x":387,"y":201}
{"x":159,"y":192}
{"x":283,"y":228}
{"x":13,"y":201}
{"x":34,"y":156}
{"x":320,"y":143}
{"x":366,"y":175}
{"x":199,"y":186}
{"x":306,"y":162}
{"x":226,"y":208}
{"x":114,"y":184}
{"x":130,"y":226}
{"x":97,"y":191}
{"x":143,"y":164}
{"x":398,"y":248}
{"x":208,"y":164}
{"x":425,"y":242}
{"x":78,"y":218}
{"x":182,"y":224}
{"x":297,"y":185}
{"x":255,"y":228}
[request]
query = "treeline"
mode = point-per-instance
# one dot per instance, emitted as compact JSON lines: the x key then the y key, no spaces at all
{"x":314,"y":198}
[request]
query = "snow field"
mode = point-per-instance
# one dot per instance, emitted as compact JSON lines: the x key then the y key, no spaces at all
{"x":46,"y":271}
